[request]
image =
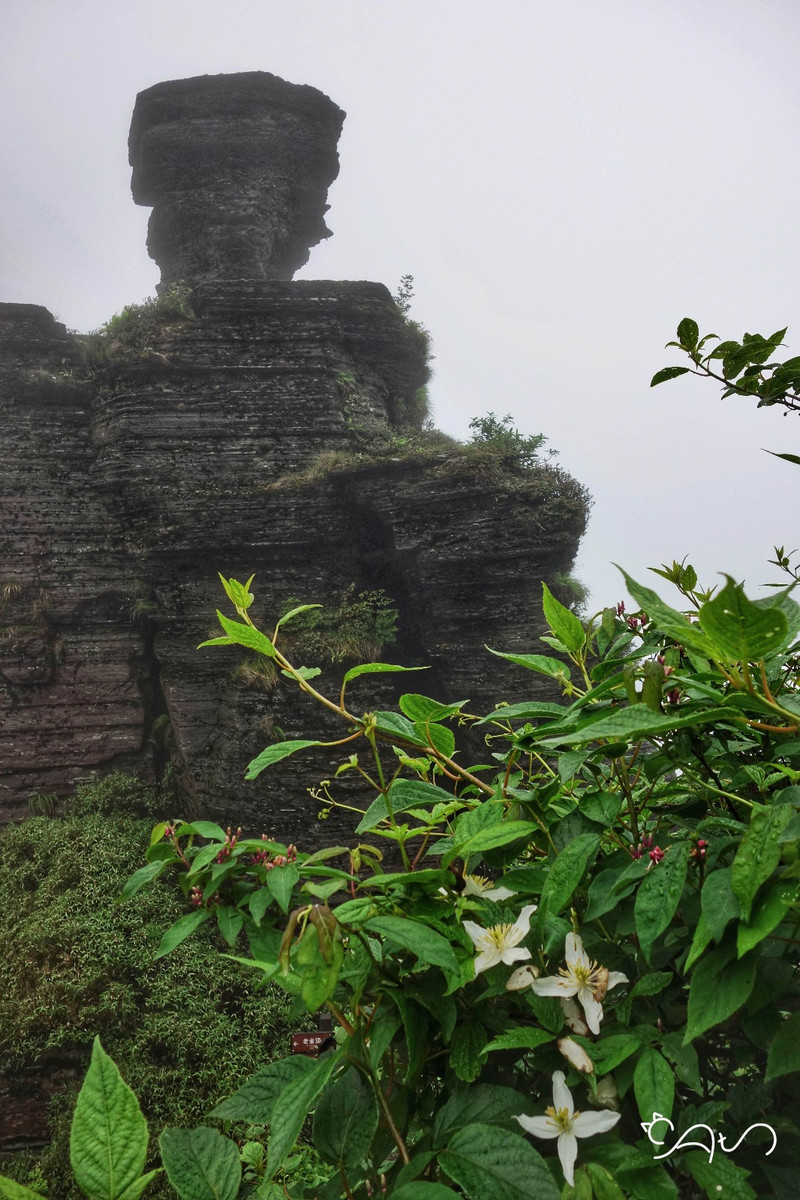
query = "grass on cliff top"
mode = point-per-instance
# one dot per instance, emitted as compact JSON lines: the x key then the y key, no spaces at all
{"x":184,"y":1031}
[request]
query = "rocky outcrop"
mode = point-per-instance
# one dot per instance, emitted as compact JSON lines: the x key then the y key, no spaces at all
{"x":266,"y":433}
{"x":236,"y":169}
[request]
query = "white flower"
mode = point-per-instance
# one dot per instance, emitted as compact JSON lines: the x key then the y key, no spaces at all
{"x":500,"y":943}
{"x":562,"y":1122}
{"x":575,"y":1055}
{"x":479,"y":885}
{"x":581,"y":978}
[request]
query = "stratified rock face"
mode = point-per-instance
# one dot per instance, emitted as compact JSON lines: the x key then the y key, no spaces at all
{"x":258,"y":436}
{"x":237,"y":169}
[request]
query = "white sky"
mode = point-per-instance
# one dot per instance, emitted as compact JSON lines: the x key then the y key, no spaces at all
{"x":565,"y":180}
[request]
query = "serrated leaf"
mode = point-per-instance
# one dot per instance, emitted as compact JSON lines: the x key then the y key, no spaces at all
{"x":688,"y":333}
{"x":376,"y":669}
{"x":718,"y":902}
{"x":659,"y":895}
{"x":667,"y":619}
{"x":346,"y":1120}
{"x":201,"y":1164}
{"x":668,"y":373}
{"x":522,"y":1038}
{"x":633,"y":723}
{"x":403,"y":794}
{"x":562,"y":621}
{"x":295,"y":612}
{"x":466,"y":1049}
{"x":422,"y":708}
{"x":487,"y":1161}
{"x":425,"y":943}
{"x":722,"y":1177}
{"x":108,"y":1140}
{"x":289,"y":1115}
{"x":491,"y":1103}
{"x":274,"y":754}
{"x":536,"y":662}
{"x":255,"y":1100}
{"x":742,"y":630}
{"x":10,"y":1190}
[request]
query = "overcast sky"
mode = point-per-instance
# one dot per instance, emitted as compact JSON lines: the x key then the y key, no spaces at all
{"x":565,"y":180}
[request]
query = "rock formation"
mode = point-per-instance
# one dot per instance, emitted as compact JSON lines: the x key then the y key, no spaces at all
{"x":264,"y":429}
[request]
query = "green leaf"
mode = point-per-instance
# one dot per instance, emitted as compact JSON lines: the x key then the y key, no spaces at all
{"x":603,"y":1183}
{"x":722,"y":1177}
{"x":258,"y":903}
{"x":532,"y":710}
{"x":181,"y":929}
{"x":653,"y":1084}
{"x":376,"y":669}
{"x":108,"y":1141}
{"x":10,"y":1190}
{"x":537,"y":662}
{"x":718,"y":988}
{"x":422,"y":1190}
{"x":718,"y":902}
{"x":289,"y":1115}
{"x":239,"y":634}
{"x":667,"y":619}
{"x":688,"y":333}
{"x":500,"y":834}
{"x":201,"y":1164}
{"x":610,"y":1051}
{"x":230,"y":923}
{"x":792,"y":458}
{"x":563,"y":623}
{"x":490,"y":1103}
{"x":743,"y":631}
{"x":759,"y":853}
{"x":768,"y":911}
{"x":567,"y":871}
{"x":522,"y":1038}
{"x":422,"y":708}
{"x":634,"y":723}
{"x":426,"y":943}
{"x":206,"y":829}
{"x":346,"y":1120}
{"x":143,"y":876}
{"x":281,"y":882}
{"x":466,"y":1049}
{"x":668,"y":373}
{"x":295,"y":612}
{"x":397,"y":728}
{"x":403,"y":794}
{"x":255,"y":1100}
{"x":659,"y":895}
{"x":274,"y":754}
{"x":487,"y":1161}
{"x":784,"y":1052}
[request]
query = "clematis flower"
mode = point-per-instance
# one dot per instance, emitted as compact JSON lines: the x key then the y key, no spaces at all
{"x":561,"y":1121}
{"x":581,"y":978}
{"x":500,"y":943}
{"x":479,"y":885}
{"x":521,"y":978}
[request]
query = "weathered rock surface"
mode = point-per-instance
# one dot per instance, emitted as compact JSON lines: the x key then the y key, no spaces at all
{"x":237,"y":170}
{"x":258,"y":436}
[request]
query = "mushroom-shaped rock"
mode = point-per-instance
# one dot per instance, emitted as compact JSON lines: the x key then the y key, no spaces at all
{"x":237,"y":170}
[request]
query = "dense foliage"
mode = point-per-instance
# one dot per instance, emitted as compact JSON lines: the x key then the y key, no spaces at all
{"x":75,"y":964}
{"x":568,"y":970}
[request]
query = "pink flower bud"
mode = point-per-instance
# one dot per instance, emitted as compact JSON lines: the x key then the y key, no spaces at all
{"x":657,"y":854}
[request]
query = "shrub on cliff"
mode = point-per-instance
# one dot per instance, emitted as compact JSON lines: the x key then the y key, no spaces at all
{"x":76,"y":964}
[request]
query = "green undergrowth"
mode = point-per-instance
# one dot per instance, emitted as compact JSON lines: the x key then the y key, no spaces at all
{"x":76,"y":964}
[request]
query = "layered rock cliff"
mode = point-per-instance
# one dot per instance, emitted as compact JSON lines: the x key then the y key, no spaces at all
{"x":256,"y":426}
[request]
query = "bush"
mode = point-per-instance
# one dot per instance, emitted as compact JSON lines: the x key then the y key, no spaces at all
{"x":75,"y":964}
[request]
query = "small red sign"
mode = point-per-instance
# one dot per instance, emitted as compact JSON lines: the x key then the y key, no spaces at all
{"x":309,"y":1043}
